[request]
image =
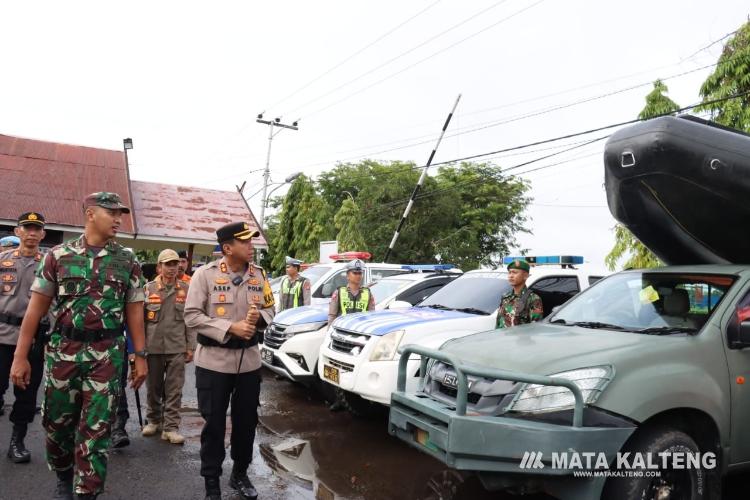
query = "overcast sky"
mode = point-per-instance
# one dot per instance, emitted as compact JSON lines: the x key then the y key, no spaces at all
{"x":186,"y":80}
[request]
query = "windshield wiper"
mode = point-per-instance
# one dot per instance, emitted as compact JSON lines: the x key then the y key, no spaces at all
{"x":667,"y":330}
{"x":437,"y":306}
{"x":471,"y":310}
{"x":559,"y":322}
{"x":597,"y":325}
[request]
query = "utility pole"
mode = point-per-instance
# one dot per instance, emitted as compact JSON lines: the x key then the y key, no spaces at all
{"x":276,"y":122}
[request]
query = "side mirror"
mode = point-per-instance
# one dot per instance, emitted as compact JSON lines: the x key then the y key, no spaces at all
{"x":399,"y":304}
{"x":744,"y":337}
{"x":328,"y":289}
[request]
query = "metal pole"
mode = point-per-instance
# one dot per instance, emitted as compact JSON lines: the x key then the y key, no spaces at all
{"x":266,"y":173}
{"x":420,"y":182}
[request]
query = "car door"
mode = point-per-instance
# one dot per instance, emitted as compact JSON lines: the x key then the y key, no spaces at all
{"x":739,"y":377}
{"x":417,"y":294}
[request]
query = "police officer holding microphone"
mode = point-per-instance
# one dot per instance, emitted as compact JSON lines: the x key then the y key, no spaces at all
{"x":228,"y":303}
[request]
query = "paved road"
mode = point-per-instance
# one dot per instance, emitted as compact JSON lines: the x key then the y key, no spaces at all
{"x":304,"y":452}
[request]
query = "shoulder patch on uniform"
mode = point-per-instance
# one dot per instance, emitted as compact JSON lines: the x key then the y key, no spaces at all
{"x":7,"y":263}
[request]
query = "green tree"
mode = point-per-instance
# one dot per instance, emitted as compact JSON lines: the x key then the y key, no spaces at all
{"x":627,"y":246}
{"x":348,"y":222}
{"x":304,"y":220}
{"x":731,"y":76}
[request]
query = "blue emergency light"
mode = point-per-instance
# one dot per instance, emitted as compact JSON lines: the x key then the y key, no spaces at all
{"x":427,"y":267}
{"x":539,"y":260}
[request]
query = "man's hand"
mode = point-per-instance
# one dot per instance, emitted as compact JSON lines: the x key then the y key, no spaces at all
{"x":253,"y":314}
{"x":20,"y":372}
{"x":188,"y":356}
{"x":242,"y":329}
{"x":138,"y":372}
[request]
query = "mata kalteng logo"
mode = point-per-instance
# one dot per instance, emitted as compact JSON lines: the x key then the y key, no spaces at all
{"x":676,"y":460}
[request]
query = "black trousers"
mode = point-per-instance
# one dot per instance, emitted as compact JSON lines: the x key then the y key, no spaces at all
{"x":24,"y":406}
{"x":215,"y":390}
{"x":122,"y":401}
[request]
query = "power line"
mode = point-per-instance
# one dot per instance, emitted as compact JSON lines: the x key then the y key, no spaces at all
{"x":378,"y":82}
{"x":389,"y":61}
{"x":355,"y":54}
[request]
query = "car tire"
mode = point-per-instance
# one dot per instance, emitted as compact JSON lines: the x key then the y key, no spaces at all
{"x":360,"y":407}
{"x":683,"y":484}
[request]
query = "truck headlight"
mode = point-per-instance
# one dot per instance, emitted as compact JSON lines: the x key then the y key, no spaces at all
{"x":535,"y":398}
{"x":386,"y":346}
{"x":305,"y":327}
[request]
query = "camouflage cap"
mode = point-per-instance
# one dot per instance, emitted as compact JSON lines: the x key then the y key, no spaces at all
{"x":519,"y":264}
{"x":167,"y":255}
{"x":105,"y":200}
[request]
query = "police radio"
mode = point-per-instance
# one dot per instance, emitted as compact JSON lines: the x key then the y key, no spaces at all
{"x":237,"y":280}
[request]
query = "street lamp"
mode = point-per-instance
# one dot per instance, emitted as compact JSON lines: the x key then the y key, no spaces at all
{"x":264,"y":202}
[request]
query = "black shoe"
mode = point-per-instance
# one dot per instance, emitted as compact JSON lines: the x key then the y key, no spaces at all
{"x":241,"y":483}
{"x":120,"y":437}
{"x":337,"y":406}
{"x":213,"y":488}
{"x":17,"y":452}
{"x":64,"y":488}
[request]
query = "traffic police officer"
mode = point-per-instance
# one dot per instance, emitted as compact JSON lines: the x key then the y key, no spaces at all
{"x":93,"y":285}
{"x":16,"y":277}
{"x":520,"y":305}
{"x":295,"y":288}
{"x":228,"y":302}
{"x":170,"y":345}
{"x":353,"y":297}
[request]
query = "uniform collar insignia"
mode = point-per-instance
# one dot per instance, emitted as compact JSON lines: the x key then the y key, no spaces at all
{"x":223,"y":267}
{"x":16,"y":254}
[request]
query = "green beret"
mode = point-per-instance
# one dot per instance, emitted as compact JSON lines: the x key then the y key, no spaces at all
{"x":519,"y":264}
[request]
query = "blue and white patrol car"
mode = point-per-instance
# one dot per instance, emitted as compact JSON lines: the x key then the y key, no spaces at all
{"x":359,"y":352}
{"x":292,"y":342}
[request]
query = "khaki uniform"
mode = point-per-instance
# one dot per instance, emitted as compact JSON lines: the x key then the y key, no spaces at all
{"x":16,"y":278}
{"x":214,"y":302}
{"x":167,"y":341}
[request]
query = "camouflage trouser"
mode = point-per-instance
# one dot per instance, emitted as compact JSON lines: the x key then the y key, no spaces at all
{"x":81,"y":392}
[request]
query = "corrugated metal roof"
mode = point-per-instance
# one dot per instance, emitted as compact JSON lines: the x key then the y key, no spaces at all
{"x":54,"y":179}
{"x":187,"y":212}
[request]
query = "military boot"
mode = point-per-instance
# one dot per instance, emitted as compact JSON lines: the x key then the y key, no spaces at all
{"x":120,"y":437}
{"x":240,"y":482}
{"x":17,"y":452}
{"x":64,"y":488}
{"x":213,"y":488}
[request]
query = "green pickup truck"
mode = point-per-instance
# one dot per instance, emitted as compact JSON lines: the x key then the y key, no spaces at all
{"x":634,"y":389}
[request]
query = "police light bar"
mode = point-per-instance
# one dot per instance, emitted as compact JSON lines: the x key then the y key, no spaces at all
{"x":428,"y":267}
{"x":347,"y":256}
{"x":546,"y":259}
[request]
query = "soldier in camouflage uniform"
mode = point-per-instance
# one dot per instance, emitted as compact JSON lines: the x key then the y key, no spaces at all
{"x":93,"y":285}
{"x":520,"y":305}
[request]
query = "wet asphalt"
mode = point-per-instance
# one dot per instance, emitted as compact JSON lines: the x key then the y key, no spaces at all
{"x":303,"y":451}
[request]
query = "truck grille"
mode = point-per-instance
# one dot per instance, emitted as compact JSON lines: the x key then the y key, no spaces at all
{"x":275,"y":336}
{"x":344,"y":367}
{"x":452,"y":392}
{"x":348,"y":342}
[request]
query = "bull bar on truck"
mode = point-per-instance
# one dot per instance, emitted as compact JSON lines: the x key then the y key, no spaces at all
{"x":494,"y":445}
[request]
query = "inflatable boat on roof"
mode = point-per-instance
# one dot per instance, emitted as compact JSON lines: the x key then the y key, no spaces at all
{"x":682,"y":187}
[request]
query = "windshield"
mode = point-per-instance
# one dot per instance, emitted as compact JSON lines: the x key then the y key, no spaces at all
{"x":387,"y":287}
{"x":314,"y":273}
{"x":644,"y":302}
{"x":479,"y":291}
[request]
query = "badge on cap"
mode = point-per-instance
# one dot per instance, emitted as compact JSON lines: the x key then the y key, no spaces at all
{"x":33,"y":216}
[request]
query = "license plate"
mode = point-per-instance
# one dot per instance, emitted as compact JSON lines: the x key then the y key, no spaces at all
{"x":331,"y":373}
{"x":267,"y":356}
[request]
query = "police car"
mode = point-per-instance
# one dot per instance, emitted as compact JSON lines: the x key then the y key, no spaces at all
{"x":326,"y":278}
{"x":359,"y":352}
{"x":292,"y":342}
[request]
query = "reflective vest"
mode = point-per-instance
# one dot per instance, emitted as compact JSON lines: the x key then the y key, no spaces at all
{"x":347,"y":305}
{"x":295,"y":290}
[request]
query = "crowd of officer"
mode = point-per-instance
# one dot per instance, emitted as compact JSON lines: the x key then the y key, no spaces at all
{"x":69,"y":310}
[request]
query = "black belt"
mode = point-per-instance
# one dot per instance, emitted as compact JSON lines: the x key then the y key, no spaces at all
{"x":233,"y":343}
{"x":10,"y":319}
{"x":84,"y":335}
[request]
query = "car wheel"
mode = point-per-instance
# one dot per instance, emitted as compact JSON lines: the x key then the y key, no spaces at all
{"x":359,"y":406}
{"x":671,"y":483}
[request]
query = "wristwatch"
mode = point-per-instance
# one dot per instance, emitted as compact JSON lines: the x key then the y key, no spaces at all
{"x":141,"y":354}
